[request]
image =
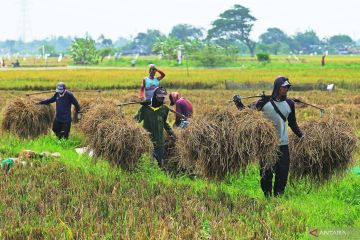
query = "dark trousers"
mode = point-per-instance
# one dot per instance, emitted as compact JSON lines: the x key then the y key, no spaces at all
{"x":61,"y":129}
{"x":281,"y":170}
{"x":158,"y":154}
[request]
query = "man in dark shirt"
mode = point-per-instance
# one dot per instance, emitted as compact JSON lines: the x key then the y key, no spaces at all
{"x":63,"y":98}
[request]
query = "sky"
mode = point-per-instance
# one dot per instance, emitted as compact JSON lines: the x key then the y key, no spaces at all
{"x":126,"y":18}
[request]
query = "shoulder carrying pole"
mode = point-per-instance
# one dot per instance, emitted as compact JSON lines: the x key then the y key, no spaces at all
{"x":147,"y":102}
{"x":177,"y":113}
{"x":322,"y":110}
{"x":50,"y":91}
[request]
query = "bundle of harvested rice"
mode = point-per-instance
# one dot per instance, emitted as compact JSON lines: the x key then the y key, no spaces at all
{"x":121,"y":141}
{"x":357,"y":100}
{"x":96,"y":115}
{"x":327,"y":149}
{"x":26,"y":119}
{"x":171,"y":159}
{"x":85,"y":105}
{"x":170,"y":152}
{"x":224,"y":141}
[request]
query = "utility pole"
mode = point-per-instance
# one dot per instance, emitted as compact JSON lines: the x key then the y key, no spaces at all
{"x":24,"y":21}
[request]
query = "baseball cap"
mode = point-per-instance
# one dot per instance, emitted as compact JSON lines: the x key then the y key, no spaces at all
{"x":286,"y":84}
{"x":160,"y":92}
{"x":60,"y":87}
{"x":285,"y":81}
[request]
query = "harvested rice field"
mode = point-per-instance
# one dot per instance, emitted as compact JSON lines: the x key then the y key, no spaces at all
{"x":209,"y":186}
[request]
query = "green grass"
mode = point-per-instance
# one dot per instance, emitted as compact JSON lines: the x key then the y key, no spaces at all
{"x":75,"y":197}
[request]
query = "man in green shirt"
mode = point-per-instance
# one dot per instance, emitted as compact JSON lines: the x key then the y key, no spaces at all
{"x":154,"y":116}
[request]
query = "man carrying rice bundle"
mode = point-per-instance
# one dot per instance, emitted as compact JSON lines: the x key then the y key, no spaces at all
{"x":63,"y":98}
{"x":154,"y":117}
{"x":279,"y":109}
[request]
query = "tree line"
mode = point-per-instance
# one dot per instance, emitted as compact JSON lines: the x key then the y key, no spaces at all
{"x":229,"y":35}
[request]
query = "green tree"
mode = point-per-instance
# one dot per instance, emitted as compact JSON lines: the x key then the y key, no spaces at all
{"x":230,"y":47}
{"x":104,"y":42}
{"x":144,"y":42}
{"x":192,"y":46}
{"x":83,"y":51}
{"x":308,"y":41}
{"x":263,"y":57}
{"x":104,"y":52}
{"x":274,"y":39}
{"x":234,"y":24}
{"x":167,"y":47}
{"x":121,"y":42}
{"x":340,"y":41}
{"x":184,"y":32}
{"x":211,"y":55}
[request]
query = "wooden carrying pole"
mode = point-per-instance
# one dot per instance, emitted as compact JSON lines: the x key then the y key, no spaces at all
{"x":147,"y":102}
{"x":50,"y":91}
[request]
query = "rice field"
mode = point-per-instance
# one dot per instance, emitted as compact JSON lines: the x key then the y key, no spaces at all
{"x":74,"y":197}
{"x":341,"y":71}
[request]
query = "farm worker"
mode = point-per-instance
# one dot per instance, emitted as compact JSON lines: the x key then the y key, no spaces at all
{"x":6,"y":165}
{"x":279,"y":109}
{"x":151,"y":82}
{"x":63,"y":98}
{"x":16,"y":63}
{"x":323,"y":59}
{"x":154,"y":117}
{"x":182,"y":106}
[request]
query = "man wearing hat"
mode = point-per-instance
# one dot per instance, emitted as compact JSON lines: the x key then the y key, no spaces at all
{"x":154,"y":115}
{"x":64,"y":99}
{"x":279,"y":109}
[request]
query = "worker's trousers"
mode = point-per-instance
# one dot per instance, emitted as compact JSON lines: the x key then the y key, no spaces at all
{"x":61,"y":129}
{"x":281,"y":171}
{"x":159,"y":153}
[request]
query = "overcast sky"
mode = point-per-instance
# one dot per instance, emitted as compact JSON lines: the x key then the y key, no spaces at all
{"x":115,"y":18}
